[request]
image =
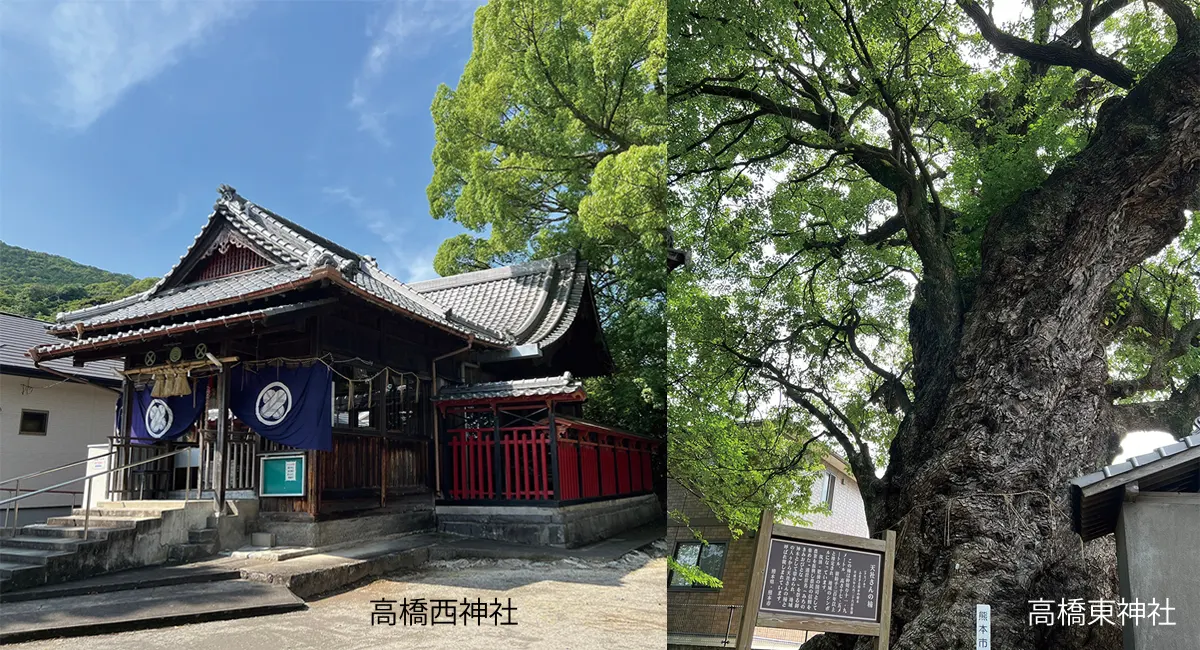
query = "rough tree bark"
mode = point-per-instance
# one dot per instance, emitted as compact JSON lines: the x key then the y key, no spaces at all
{"x":977,"y":490}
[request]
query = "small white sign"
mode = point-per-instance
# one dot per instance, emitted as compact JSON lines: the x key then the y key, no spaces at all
{"x":289,"y":470}
{"x":983,"y":627}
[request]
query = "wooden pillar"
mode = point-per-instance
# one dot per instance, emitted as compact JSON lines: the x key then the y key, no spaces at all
{"x":885,"y":600}
{"x":314,"y":482}
{"x":758,"y":571}
{"x":579,"y":434}
{"x":557,"y":493}
{"x":381,"y":412}
{"x":498,"y":459}
{"x":220,"y":459}
{"x":120,"y":480}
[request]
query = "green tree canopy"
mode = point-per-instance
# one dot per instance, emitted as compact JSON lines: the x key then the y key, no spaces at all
{"x":554,"y":140}
{"x":959,"y":247}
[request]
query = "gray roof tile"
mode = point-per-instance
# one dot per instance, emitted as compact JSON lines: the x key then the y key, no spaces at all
{"x":192,"y":295}
{"x":561,"y":385}
{"x":18,"y":334}
{"x":1128,"y":465}
{"x":1097,"y":498}
{"x":533,"y":303}
{"x":60,"y":345}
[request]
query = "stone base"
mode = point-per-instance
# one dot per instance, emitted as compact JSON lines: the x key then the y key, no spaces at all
{"x":349,"y":529}
{"x":561,"y":526}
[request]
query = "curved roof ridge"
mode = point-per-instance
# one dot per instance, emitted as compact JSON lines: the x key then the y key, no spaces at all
{"x":494,"y":273}
{"x":571,"y":296}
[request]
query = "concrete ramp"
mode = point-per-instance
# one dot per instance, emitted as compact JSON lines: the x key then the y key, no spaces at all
{"x":142,"y":608}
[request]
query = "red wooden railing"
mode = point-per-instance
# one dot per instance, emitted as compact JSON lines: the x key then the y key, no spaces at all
{"x":593,"y":462}
{"x":596,"y":461}
{"x":526,"y":460}
{"x":472,"y":463}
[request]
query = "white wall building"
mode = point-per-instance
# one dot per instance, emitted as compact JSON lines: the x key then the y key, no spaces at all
{"x":47,"y":420}
{"x":838,"y":490}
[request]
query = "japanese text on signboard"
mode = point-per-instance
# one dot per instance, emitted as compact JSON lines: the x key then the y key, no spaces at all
{"x":825,"y":581}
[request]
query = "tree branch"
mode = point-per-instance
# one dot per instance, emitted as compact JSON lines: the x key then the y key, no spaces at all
{"x":1175,"y":414}
{"x":1055,"y":53}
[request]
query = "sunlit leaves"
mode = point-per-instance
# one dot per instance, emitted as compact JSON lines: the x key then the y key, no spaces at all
{"x":554,"y":140}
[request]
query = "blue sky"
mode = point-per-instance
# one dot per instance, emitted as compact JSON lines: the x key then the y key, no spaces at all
{"x":119,"y":119}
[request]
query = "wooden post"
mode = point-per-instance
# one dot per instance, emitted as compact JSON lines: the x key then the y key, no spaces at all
{"x":758,"y":571}
{"x":557,"y":493}
{"x":885,"y":601}
{"x":220,"y":466}
{"x":498,"y":459}
{"x":121,"y":479}
{"x":381,"y":409}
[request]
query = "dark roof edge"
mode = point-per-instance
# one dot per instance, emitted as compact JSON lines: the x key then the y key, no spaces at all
{"x":38,"y":373}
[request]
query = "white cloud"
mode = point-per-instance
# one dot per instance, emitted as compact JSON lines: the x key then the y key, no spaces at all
{"x":408,"y":32}
{"x":396,"y":260}
{"x":420,"y":267}
{"x":90,"y":54}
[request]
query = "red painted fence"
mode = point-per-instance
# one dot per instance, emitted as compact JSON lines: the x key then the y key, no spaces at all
{"x":593,"y":462}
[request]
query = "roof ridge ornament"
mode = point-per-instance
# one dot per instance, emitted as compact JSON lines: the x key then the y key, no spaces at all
{"x":227,"y":192}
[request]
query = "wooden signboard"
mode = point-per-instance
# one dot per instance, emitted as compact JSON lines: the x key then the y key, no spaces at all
{"x":804,"y":579}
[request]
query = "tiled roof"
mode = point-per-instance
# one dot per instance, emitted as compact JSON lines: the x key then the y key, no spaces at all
{"x":561,"y":385}
{"x":1096,"y":498}
{"x":192,"y":295}
{"x":18,"y":334}
{"x":531,"y":304}
{"x":534,"y":302}
{"x":60,"y":346}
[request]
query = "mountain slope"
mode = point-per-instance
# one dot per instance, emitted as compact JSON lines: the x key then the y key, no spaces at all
{"x":40,"y":285}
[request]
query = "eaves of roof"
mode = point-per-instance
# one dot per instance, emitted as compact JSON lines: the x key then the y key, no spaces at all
{"x":67,"y":348}
{"x":1096,"y":498}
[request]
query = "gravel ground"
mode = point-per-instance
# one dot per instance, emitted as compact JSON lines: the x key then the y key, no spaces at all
{"x":568,"y":604}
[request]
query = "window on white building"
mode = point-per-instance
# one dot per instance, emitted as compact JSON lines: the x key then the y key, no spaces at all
{"x":827,"y":482}
{"x":34,"y":423}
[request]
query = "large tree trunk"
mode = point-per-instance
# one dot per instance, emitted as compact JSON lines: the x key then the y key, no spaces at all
{"x":979,"y":497}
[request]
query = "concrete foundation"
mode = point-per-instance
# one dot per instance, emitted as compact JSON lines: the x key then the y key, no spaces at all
{"x":562,"y":526}
{"x":290,"y":532}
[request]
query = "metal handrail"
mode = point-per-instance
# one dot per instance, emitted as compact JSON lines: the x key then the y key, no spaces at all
{"x":87,"y":513}
{"x":55,"y":469}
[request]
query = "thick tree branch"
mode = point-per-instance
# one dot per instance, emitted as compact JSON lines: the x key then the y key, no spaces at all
{"x":878,"y":162}
{"x":1051,"y":53}
{"x":1174,"y":415}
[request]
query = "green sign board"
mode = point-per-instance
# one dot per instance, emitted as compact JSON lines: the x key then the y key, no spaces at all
{"x":281,"y":475}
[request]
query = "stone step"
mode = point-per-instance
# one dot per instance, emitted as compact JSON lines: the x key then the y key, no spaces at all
{"x":161,"y":575}
{"x":150,"y":504}
{"x":184,"y":553}
{"x":141,"y":609}
{"x":19,"y":576}
{"x":29,"y":555}
{"x":73,"y":532}
{"x":8,"y":568}
{"x":100,"y":522}
{"x":152,"y":513}
{"x":67,"y":544}
{"x":202,"y":536}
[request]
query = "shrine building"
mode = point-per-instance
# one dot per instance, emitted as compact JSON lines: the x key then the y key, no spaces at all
{"x":318,"y":398}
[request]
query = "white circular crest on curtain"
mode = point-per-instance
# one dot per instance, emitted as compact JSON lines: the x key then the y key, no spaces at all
{"x":274,"y":403}
{"x":158,"y":418}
